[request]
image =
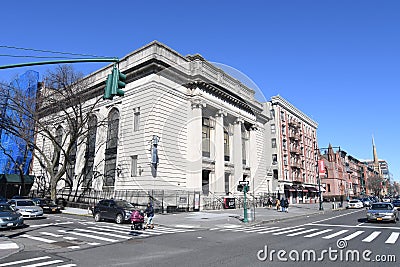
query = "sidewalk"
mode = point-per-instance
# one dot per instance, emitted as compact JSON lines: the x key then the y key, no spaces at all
{"x":226,"y":217}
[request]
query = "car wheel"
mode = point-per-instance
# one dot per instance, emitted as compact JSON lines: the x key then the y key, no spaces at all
{"x":97,"y":217}
{"x":119,"y":219}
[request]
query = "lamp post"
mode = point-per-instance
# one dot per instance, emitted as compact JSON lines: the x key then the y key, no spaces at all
{"x":318,"y":177}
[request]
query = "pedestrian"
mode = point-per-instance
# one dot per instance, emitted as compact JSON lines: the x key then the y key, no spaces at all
{"x":278,"y":204}
{"x":150,"y":214}
{"x":269,"y":203}
{"x":283,"y":204}
{"x":286,"y":205}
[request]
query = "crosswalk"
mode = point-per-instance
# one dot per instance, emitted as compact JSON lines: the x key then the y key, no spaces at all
{"x":366,"y":235}
{"x":38,"y":261}
{"x":94,"y":234}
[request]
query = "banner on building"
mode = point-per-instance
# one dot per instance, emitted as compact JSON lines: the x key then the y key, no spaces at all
{"x":321,"y":167}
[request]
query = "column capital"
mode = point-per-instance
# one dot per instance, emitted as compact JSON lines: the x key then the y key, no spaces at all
{"x":197,"y":103}
{"x":239,"y":121}
{"x":221,"y":113}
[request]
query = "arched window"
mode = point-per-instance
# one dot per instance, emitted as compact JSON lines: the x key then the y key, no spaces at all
{"x":90,"y":151}
{"x":57,"y":147}
{"x":111,"y":148}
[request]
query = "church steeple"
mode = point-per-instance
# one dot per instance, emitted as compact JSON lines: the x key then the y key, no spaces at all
{"x":377,"y":167}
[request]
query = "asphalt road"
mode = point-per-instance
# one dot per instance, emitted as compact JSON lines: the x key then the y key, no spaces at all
{"x":78,"y":241}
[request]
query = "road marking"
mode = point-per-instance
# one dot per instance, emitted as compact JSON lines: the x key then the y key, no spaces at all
{"x":353,"y":235}
{"x":49,"y":241}
{"x":288,"y":231}
{"x":102,"y":233}
{"x":50,"y":234}
{"x":261,"y":229}
{"x":319,"y":233}
{"x":276,"y":230}
{"x":43,"y":263}
{"x":392,"y":238}
{"x":334,"y":217}
{"x":353,"y":226}
{"x":74,"y":247}
{"x":50,"y":224}
{"x":335,"y":234}
{"x":303,"y":232}
{"x":24,"y":261}
{"x":67,"y":265}
{"x":90,"y":236}
{"x":70,"y":238}
{"x":8,"y":245}
{"x":109,"y":230}
{"x":371,"y":236}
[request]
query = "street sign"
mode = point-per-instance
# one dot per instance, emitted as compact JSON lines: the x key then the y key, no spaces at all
{"x":244,"y":182}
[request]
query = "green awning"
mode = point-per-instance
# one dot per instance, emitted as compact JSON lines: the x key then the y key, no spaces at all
{"x":16,"y":178}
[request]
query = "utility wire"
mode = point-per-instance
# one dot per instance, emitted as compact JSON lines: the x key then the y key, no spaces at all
{"x":6,"y":55}
{"x":48,"y":51}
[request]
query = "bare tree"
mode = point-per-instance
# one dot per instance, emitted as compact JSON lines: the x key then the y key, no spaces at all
{"x":374,"y":184}
{"x":58,"y":117}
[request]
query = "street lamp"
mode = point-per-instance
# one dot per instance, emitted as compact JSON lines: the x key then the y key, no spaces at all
{"x":318,"y":177}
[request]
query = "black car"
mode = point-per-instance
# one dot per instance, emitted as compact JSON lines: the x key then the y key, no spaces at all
{"x":396,"y":203}
{"x":48,"y":205}
{"x":110,"y":209}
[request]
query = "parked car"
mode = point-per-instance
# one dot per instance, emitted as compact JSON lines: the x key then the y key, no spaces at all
{"x":382,"y":211}
{"x":110,"y":209}
{"x":9,"y":217}
{"x":355,"y":204}
{"x":396,"y":203}
{"x":26,"y":207}
{"x":48,"y":205}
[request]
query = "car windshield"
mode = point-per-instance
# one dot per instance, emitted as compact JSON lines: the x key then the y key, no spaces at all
{"x":353,"y":201}
{"x":381,"y":207}
{"x":25,"y":203}
{"x":124,"y":204}
{"x":5,"y":208}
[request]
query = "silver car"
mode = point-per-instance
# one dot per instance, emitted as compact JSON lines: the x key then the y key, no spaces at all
{"x":27,"y":208}
{"x":382,"y":211}
{"x":9,"y":218}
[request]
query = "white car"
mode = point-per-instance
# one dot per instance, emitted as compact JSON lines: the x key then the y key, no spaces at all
{"x":386,"y":199}
{"x":26,"y":207}
{"x":355,"y":204}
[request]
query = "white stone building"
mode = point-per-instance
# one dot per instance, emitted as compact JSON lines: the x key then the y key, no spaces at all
{"x":207,"y":127}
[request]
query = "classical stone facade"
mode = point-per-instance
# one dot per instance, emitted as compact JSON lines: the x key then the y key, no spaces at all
{"x":183,"y":124}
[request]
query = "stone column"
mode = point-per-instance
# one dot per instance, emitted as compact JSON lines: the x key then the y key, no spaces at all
{"x":218,"y":182}
{"x":237,"y":152}
{"x":253,"y":158}
{"x":194,"y":146}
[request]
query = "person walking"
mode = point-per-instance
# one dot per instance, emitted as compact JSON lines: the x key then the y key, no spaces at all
{"x":286,"y":205}
{"x":283,"y":204}
{"x":269,"y":203}
{"x":278,"y":204}
{"x":150,"y":214}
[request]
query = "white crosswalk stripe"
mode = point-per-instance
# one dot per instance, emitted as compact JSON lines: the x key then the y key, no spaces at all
{"x":37,"y":262}
{"x":335,"y":234}
{"x":307,"y":232}
{"x":392,"y":238}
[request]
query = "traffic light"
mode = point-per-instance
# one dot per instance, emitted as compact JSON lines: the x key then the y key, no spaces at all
{"x":240,"y":187}
{"x":115,"y":82}
{"x":107,"y":89}
{"x":118,"y":82}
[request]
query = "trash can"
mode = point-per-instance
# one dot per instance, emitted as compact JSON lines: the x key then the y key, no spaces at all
{"x":229,"y":203}
{"x":250,"y":215}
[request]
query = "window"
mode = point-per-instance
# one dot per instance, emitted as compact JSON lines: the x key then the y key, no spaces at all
{"x":111,"y":148}
{"x":57,"y":148}
{"x":244,"y":144}
{"x":329,"y":187}
{"x":226,"y":146}
{"x":134,"y":165}
{"x":90,"y":151}
{"x":275,"y":174}
{"x":282,"y":115}
{"x":71,"y":165}
{"x":273,"y":129}
{"x":206,"y":137}
{"x":136,"y":119}
{"x":274,"y":159}
{"x":273,"y":142}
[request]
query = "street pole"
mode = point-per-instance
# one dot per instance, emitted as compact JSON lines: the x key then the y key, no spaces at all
{"x":319,"y":192}
{"x":244,"y":205}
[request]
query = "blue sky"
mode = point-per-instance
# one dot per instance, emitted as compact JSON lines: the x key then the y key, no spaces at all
{"x":337,"y":61}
